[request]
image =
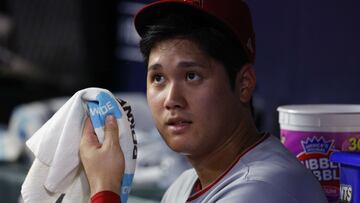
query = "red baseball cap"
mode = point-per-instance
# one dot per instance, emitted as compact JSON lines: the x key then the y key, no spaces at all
{"x":234,"y":15}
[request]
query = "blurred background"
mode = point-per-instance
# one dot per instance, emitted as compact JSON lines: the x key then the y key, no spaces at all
{"x":308,"y":52}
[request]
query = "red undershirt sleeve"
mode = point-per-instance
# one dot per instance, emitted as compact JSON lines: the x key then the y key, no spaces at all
{"x":105,"y":197}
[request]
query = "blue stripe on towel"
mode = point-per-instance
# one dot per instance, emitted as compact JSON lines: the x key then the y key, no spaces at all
{"x":126,"y":186}
{"x":103,"y":106}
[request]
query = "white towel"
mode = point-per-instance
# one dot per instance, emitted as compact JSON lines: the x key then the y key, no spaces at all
{"x":57,"y":167}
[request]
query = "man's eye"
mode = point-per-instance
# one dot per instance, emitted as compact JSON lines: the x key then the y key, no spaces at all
{"x":158,"y":78}
{"x":192,"y":76}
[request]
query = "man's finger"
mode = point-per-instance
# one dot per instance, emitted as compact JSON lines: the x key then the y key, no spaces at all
{"x":89,"y":137}
{"x":111,"y":131}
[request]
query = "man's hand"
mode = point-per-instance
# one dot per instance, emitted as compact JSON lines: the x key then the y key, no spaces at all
{"x":104,"y":164}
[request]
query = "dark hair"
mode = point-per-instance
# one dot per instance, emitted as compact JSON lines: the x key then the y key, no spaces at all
{"x":214,"y":39}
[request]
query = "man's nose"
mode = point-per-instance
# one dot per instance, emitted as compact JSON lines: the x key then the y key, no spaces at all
{"x":175,"y":97}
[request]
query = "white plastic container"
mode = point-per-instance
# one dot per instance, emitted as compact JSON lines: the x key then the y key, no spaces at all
{"x":313,"y":132}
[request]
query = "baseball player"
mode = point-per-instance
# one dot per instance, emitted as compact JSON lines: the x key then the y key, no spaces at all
{"x":200,"y":80}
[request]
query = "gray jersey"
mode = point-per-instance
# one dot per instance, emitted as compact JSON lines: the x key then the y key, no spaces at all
{"x":267,"y":173}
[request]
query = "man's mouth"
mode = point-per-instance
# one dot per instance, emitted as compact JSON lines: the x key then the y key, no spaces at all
{"x":178,"y":125}
{"x":177,"y":121}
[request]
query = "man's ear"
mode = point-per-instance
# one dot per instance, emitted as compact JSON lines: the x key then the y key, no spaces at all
{"x":245,"y":82}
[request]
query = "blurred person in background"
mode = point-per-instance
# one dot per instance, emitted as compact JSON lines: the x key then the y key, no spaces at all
{"x":200,"y":81}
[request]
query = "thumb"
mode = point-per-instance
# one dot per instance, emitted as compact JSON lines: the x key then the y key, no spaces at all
{"x":111,"y":132}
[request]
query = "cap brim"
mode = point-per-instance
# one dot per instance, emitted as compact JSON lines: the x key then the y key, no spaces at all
{"x":150,"y":13}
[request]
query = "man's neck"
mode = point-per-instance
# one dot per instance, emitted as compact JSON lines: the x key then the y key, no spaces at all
{"x":211,"y":166}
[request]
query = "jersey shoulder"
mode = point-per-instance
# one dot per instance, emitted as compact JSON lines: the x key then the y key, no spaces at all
{"x":180,"y":190}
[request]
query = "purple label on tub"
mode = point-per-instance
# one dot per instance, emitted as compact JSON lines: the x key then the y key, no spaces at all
{"x":313,"y":150}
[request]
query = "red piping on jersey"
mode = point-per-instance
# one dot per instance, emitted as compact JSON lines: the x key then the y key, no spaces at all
{"x":198,"y":194}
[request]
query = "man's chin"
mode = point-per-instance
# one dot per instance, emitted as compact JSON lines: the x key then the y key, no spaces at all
{"x":184,"y":153}
{"x":180,"y":150}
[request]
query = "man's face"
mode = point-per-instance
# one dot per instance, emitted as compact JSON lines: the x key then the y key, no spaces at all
{"x":190,"y":98}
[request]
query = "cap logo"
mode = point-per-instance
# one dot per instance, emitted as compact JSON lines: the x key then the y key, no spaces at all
{"x":198,"y":3}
